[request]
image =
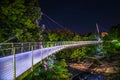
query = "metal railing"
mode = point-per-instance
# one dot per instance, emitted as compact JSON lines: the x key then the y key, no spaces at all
{"x":16,"y":58}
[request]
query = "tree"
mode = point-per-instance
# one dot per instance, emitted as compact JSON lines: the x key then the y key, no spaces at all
{"x":76,"y":38}
{"x":79,"y":54}
{"x":53,"y":37}
{"x":58,"y":72}
{"x":62,"y":72}
{"x":115,"y":32}
{"x":17,"y":19}
{"x":110,"y":48}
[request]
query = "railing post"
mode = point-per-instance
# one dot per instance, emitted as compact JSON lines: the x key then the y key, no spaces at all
{"x":12,"y":48}
{"x":34,"y":46}
{"x":55,"y":43}
{"x":29,"y":46}
{"x":12,"y":45}
{"x":47,"y":53}
{"x":32,"y":58}
{"x":14,"y":62}
{"x":21,"y":47}
{"x":41,"y":50}
{"x":49,"y":44}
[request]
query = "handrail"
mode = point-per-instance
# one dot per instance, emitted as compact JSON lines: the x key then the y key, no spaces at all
{"x":28,"y":54}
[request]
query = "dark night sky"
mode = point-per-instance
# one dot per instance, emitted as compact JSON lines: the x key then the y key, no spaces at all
{"x":81,"y":15}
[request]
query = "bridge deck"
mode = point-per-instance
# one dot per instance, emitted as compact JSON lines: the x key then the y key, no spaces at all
{"x":24,"y":60}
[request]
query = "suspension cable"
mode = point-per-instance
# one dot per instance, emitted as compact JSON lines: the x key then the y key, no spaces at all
{"x":53,"y":20}
{"x":47,"y":22}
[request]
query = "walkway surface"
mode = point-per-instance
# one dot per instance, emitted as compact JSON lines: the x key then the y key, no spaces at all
{"x":24,"y":60}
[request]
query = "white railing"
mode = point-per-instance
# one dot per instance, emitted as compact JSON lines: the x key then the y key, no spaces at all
{"x":16,"y":58}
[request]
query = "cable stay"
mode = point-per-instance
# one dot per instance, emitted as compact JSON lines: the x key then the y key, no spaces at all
{"x":44,"y":20}
{"x":53,"y":20}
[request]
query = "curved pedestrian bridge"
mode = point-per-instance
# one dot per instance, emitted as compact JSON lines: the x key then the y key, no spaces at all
{"x":17,"y":58}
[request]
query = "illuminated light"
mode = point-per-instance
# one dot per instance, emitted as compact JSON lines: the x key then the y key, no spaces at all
{"x":114,"y":41}
{"x":103,"y":34}
{"x":59,"y":67}
{"x":117,"y":44}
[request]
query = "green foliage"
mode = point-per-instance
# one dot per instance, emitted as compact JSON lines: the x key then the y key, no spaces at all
{"x":115,"y":32}
{"x":76,"y":38}
{"x":111,"y":49}
{"x":62,"y":70}
{"x":59,"y":35}
{"x":62,"y":63}
{"x":76,"y":54}
{"x":79,"y":54}
{"x":17,"y":19}
{"x":53,"y":37}
{"x":91,"y":50}
{"x":96,"y":62}
{"x":117,"y":45}
{"x":58,"y":72}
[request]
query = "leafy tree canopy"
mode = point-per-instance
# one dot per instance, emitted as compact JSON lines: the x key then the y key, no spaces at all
{"x":17,"y":20}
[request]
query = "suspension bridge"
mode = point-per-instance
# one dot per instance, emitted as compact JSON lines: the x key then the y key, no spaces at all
{"x":17,"y":58}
